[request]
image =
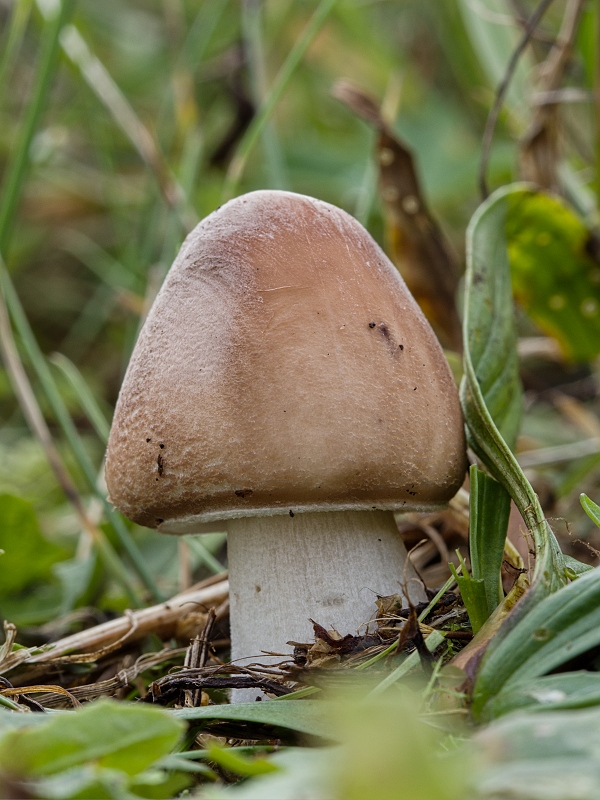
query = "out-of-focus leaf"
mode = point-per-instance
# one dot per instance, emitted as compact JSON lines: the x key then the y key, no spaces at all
{"x":75,"y":576}
{"x":551,"y":692}
{"x":113,"y":735}
{"x":418,"y":247}
{"x":238,"y":764}
{"x":301,"y":772}
{"x":551,"y":756}
{"x":555,"y":278}
{"x":552,"y":633}
{"x":494,"y":37}
{"x":306,"y":716}
{"x":28,"y":557}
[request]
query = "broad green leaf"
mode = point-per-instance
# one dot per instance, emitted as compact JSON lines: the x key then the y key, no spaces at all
{"x":113,"y":735}
{"x":489,"y":510}
{"x":552,"y":633}
{"x":28,"y":557}
{"x":554,"y":277}
{"x":490,"y":389}
{"x":306,"y":716}
{"x":551,"y":692}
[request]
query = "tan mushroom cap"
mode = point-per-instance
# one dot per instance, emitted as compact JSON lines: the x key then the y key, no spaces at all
{"x":284,"y":366}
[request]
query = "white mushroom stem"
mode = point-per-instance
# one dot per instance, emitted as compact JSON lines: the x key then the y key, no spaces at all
{"x":326,"y":566}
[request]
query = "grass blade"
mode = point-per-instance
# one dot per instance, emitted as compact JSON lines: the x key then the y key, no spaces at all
{"x":257,"y":125}
{"x":86,"y":398}
{"x":15,"y":174}
{"x":12,"y":187}
{"x":42,"y":370}
{"x":101,"y":83}
{"x":37,"y":423}
{"x":11,"y":43}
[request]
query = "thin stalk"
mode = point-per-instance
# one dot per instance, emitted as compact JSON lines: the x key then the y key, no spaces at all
{"x":44,"y":375}
{"x":256,"y":127}
{"x":39,"y":428}
{"x":15,"y":174}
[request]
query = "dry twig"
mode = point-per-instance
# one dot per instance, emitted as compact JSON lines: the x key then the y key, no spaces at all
{"x":160,"y":619}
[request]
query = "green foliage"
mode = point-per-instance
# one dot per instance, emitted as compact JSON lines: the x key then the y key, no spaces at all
{"x":101,"y":751}
{"x":553,"y":275}
{"x":541,"y":757}
{"x":553,"y":632}
{"x":307,"y":716}
{"x":227,"y":758}
{"x":548,"y":693}
{"x":472,"y":592}
{"x":490,"y":389}
{"x":489,"y":510}
{"x":101,"y":222}
{"x":386,"y":753}
{"x":591,"y":509}
{"x":28,"y":556}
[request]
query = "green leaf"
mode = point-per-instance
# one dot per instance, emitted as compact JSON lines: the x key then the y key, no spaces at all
{"x":490,"y":389}
{"x":28,"y":557}
{"x":553,"y":756}
{"x":489,"y":510}
{"x":301,"y":772}
{"x":551,"y":692}
{"x":113,"y":735}
{"x":590,"y":508}
{"x":240,"y":765}
{"x":306,"y":716}
{"x":472,"y":592}
{"x":552,"y":633}
{"x":554,"y":278}
{"x":490,"y":331}
{"x":576,"y":567}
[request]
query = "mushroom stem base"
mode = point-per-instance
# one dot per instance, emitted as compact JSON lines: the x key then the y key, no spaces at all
{"x":326,"y":566}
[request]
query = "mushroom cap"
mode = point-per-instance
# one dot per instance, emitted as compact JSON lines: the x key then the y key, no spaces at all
{"x":284,"y":366}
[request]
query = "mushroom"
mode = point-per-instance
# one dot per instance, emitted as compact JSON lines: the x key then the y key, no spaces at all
{"x":287,"y":383}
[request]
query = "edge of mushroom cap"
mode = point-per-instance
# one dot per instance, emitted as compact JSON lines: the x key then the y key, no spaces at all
{"x":189,"y":524}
